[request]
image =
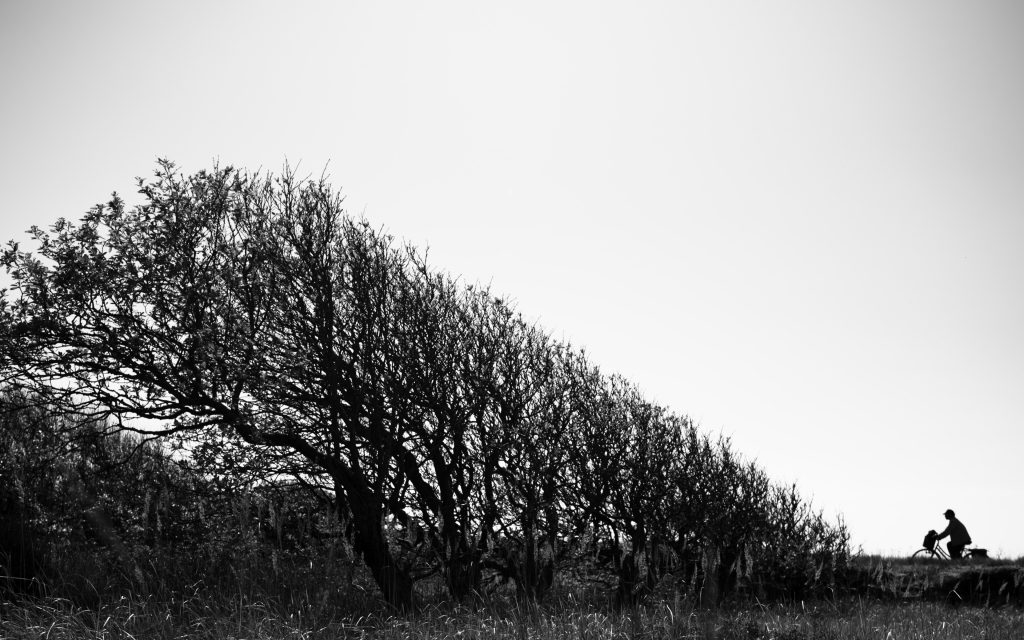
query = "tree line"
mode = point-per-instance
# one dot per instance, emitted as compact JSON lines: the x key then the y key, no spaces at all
{"x":251,"y":321}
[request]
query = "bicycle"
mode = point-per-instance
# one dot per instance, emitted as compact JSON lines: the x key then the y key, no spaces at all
{"x":932,"y":549}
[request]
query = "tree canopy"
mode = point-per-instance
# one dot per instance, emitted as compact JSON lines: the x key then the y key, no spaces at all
{"x":250,"y":318}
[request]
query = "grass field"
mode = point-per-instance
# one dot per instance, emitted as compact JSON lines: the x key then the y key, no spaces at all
{"x":848,"y":619}
{"x":906,"y":599}
{"x":987,"y":583}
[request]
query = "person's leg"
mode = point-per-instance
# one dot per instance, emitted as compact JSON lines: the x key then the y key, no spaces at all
{"x":955,"y":550}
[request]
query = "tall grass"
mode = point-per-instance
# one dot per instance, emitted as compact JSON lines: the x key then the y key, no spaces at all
{"x":223,"y":617}
{"x":262,"y":594}
{"x":257,"y":596}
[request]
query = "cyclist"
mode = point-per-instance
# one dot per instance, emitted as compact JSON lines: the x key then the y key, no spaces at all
{"x":958,"y":536}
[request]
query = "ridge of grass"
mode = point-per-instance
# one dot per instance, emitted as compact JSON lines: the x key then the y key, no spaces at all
{"x":899,"y":604}
{"x":132,"y":617}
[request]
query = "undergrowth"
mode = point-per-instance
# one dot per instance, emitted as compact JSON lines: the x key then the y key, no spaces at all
{"x":224,"y":617}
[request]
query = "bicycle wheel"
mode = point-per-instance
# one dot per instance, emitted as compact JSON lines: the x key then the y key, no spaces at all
{"x":924,"y":553}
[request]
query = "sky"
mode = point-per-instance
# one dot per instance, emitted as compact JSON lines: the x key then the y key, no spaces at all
{"x":800,"y":223}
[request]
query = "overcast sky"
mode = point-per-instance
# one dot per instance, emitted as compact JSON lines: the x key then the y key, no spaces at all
{"x":800,"y":223}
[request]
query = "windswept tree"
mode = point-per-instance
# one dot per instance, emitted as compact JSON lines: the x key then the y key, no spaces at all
{"x":271,"y":335}
{"x":441,"y":368}
{"x":229,"y":302}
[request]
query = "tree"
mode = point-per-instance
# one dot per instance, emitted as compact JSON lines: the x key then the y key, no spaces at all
{"x":271,"y":335}
{"x":228,"y":302}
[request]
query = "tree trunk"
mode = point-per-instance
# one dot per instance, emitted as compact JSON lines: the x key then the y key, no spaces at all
{"x":629,"y":574}
{"x":538,"y":570}
{"x":369,"y":541}
{"x":709,"y":588}
{"x":463,"y":573}
{"x":632,"y":586}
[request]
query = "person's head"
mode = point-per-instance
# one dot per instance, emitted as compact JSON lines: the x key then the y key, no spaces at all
{"x":949,"y":514}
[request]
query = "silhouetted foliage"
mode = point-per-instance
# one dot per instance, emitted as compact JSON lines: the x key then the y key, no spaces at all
{"x":276,"y":344}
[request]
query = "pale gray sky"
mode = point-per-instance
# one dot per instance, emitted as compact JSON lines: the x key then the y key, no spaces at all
{"x":800,"y":223}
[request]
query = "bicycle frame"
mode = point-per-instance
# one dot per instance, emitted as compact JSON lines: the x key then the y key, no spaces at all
{"x":938,"y":551}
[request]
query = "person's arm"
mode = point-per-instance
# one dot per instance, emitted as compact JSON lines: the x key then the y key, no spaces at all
{"x":945,"y":532}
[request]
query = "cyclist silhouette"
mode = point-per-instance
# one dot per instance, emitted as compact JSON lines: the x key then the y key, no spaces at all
{"x":958,"y":536}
